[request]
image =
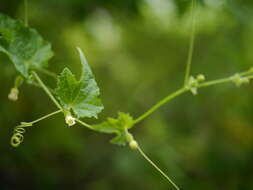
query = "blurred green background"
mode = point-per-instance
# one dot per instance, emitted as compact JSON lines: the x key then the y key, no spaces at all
{"x":137,"y":50}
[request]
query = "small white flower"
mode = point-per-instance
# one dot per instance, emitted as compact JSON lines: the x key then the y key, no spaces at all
{"x":70,"y":120}
{"x":13,"y":95}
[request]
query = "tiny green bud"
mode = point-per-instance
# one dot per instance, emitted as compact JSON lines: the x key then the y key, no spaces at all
{"x":201,"y":78}
{"x":192,"y":82}
{"x":133,"y":144}
{"x":70,"y":120}
{"x":238,"y":80}
{"x":13,"y":95}
{"x":193,"y":85}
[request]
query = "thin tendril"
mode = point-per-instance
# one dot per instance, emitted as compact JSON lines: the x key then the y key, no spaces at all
{"x":191,"y":44}
{"x":18,"y":133}
{"x":157,"y":168}
{"x":46,"y":90}
{"x":26,"y":13}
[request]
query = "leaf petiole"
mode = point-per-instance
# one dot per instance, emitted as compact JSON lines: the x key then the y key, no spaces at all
{"x":84,"y":124}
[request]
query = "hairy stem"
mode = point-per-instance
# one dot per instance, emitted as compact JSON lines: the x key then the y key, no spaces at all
{"x":191,"y":44}
{"x":46,"y":90}
{"x":156,"y":167}
{"x":160,"y":103}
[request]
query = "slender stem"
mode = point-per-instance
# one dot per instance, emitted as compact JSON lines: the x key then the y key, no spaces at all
{"x":182,"y":91}
{"x":46,"y":72}
{"x":160,"y":103}
{"x":37,"y":85}
{"x":84,"y":124}
{"x":214,"y":82}
{"x":26,"y":124}
{"x":246,"y":73}
{"x":156,"y":167}
{"x":46,"y":90}
{"x":191,"y":44}
{"x":26,"y":13}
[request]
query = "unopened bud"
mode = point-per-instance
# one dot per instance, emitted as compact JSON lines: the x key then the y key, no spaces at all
{"x":133,"y":144}
{"x":238,"y":80}
{"x":13,"y":95}
{"x":201,"y":78}
{"x":70,"y":120}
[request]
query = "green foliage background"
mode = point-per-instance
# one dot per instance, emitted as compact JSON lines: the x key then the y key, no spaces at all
{"x":137,"y":50}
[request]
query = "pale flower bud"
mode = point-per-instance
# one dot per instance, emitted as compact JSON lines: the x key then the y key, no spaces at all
{"x":70,"y":120}
{"x":133,"y":144}
{"x":13,"y":95}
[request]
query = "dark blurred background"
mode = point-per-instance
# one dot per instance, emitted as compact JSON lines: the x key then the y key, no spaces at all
{"x":137,"y":50}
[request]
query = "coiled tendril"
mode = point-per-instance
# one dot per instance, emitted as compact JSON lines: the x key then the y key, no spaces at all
{"x":18,"y":134}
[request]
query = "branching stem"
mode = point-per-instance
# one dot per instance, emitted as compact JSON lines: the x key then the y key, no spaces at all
{"x":185,"y":89}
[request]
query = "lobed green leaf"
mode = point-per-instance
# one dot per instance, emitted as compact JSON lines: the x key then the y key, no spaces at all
{"x":117,"y":126}
{"x":81,"y":96}
{"x":24,"y":46}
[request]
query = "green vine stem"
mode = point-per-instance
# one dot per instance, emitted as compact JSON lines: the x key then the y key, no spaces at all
{"x":46,"y":90}
{"x":46,"y":72}
{"x":42,"y":118}
{"x":191,"y":44}
{"x":186,"y":89}
{"x":156,"y":167}
{"x":84,"y":124}
{"x":160,"y":103}
{"x":26,"y":13}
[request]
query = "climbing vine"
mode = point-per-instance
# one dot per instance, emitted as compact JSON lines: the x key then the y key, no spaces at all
{"x":80,"y":98}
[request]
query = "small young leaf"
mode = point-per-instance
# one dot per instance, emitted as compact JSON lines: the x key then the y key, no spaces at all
{"x":24,"y":46}
{"x":79,"y":95}
{"x":118,"y":126}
